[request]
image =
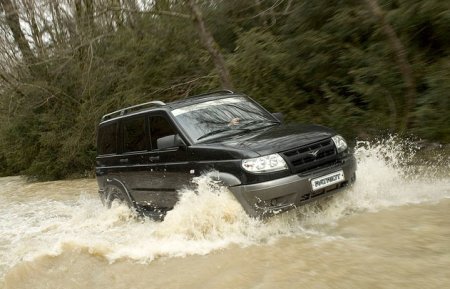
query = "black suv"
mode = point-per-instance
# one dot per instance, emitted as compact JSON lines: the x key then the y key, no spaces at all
{"x":148,"y":152}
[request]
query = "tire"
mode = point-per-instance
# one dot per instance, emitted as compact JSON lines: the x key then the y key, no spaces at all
{"x":115,"y":193}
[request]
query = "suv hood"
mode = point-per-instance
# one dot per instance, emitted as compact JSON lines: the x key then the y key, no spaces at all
{"x":276,"y":138}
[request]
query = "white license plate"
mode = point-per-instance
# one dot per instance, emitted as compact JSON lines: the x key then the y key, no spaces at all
{"x":325,"y":181}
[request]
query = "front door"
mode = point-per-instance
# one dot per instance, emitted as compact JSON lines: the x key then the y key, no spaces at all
{"x":166,"y":169}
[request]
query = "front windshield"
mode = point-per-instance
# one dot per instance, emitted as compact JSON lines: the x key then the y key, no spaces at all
{"x":221,"y":117}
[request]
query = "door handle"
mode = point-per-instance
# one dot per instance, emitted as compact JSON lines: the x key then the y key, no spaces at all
{"x":152,"y":159}
{"x":123,"y":161}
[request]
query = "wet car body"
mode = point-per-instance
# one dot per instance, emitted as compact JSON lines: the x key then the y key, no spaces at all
{"x":300,"y":163}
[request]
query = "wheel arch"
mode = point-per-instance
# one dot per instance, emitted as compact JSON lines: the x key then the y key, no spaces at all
{"x":118,"y":183}
{"x":228,"y":179}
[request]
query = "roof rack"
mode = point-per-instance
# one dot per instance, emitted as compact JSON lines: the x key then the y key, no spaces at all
{"x":126,"y":110}
{"x":213,"y":92}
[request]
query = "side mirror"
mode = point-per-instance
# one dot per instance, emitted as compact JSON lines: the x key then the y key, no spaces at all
{"x":279,"y":116}
{"x":170,"y":141}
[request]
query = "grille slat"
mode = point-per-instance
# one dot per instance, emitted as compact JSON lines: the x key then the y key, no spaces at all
{"x":311,"y":156}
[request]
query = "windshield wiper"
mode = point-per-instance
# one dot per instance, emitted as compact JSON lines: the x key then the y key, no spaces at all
{"x":242,"y":127}
{"x":234,"y":129}
{"x":214,"y":132}
{"x":259,"y":122}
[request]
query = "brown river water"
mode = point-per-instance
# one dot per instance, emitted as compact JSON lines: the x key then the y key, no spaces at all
{"x":390,"y":230}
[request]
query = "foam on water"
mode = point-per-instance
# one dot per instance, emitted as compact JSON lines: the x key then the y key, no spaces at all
{"x":388,"y":175}
{"x":206,"y":219}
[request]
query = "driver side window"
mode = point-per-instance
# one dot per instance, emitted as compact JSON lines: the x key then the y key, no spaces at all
{"x":159,"y":127}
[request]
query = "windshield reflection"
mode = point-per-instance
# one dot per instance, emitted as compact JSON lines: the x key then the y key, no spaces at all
{"x":221,"y":117}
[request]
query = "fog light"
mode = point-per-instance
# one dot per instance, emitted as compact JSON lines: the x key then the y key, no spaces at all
{"x":273,"y":202}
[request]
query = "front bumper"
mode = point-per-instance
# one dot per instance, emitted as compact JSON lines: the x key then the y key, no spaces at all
{"x":276,"y":196}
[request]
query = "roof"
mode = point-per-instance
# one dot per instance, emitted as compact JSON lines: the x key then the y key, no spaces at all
{"x":156,"y":104}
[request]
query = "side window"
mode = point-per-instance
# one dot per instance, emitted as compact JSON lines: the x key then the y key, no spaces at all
{"x":134,"y":134}
{"x":107,"y":139}
{"x":159,"y":127}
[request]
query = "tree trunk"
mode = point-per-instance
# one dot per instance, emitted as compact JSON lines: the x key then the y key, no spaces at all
{"x":118,"y":17}
{"x":12,"y":20}
{"x":211,"y":45}
{"x":130,"y":20}
{"x":89,"y":15}
{"x":35,"y":33}
{"x":85,"y":28}
{"x":57,"y":22}
{"x":261,"y":14}
{"x":401,"y":60}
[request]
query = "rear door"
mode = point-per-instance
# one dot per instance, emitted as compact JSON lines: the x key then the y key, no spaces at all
{"x":135,"y":146}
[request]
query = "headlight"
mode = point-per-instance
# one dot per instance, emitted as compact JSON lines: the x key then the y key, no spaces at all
{"x":270,"y":163}
{"x":340,"y":143}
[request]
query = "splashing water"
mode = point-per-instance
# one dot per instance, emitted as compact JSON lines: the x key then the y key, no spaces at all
{"x":386,"y":178}
{"x":49,"y":218}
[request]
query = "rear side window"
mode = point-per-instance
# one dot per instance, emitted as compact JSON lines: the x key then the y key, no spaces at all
{"x":159,"y":127}
{"x":134,"y":134}
{"x":107,"y":139}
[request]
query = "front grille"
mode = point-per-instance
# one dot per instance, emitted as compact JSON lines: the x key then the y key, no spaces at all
{"x":312,"y":156}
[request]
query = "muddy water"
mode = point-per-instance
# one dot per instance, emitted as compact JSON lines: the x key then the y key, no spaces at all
{"x":390,"y":230}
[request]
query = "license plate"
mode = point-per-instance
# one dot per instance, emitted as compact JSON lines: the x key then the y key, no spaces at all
{"x":327,"y":180}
